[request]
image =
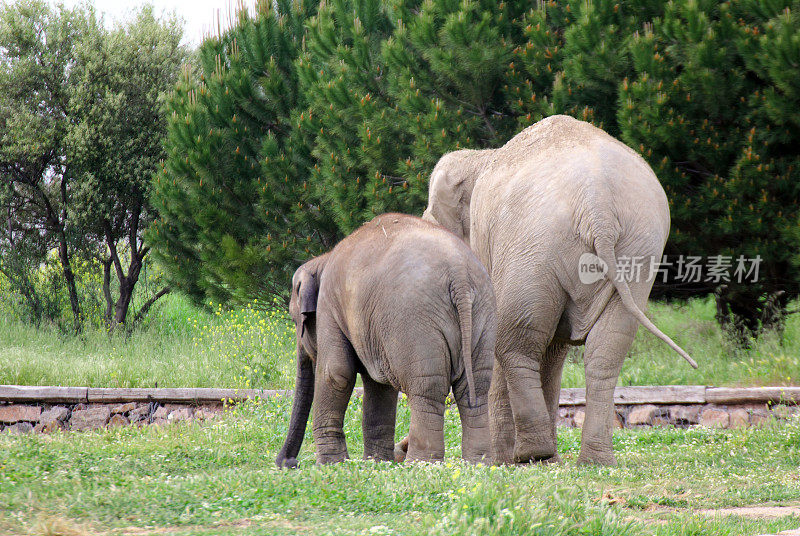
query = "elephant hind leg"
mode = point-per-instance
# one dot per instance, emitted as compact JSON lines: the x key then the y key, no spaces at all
{"x":520,"y":353}
{"x":378,"y":422}
{"x":552,"y":366}
{"x":522,"y":341}
{"x":475,"y":444}
{"x":426,"y":436}
{"x":501,"y":419}
{"x":607,"y":345}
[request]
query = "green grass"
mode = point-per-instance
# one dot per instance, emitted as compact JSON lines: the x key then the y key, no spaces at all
{"x":219,"y":478}
{"x":178,"y":346}
{"x":182,"y":346}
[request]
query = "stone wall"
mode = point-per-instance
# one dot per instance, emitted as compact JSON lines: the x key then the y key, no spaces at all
{"x":687,"y":415}
{"x":26,"y":418}
{"x":44,"y":417}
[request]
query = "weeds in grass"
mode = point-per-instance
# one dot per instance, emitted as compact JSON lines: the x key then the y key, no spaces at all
{"x":256,"y":344}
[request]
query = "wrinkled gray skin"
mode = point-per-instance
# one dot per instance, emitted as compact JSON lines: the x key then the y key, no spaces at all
{"x":530,"y":209}
{"x":408,"y":306}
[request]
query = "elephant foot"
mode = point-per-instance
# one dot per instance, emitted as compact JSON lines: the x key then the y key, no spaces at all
{"x":597,"y":458}
{"x":533,"y":451}
{"x":325,"y":459}
{"x":380,"y":456}
{"x":478,"y":457}
{"x":401,"y":450}
{"x":503,"y":458}
{"x":503,"y":449}
{"x":379,"y":451}
{"x":553,"y":460}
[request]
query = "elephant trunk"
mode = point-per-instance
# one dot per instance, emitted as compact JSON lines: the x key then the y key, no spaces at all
{"x":303,"y":396}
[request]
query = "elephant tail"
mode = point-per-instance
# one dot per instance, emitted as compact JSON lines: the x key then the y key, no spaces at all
{"x":463,"y":303}
{"x":605,"y":250}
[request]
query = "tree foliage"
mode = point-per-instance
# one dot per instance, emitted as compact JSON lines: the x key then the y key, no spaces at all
{"x":700,"y":107}
{"x":80,"y":134}
{"x":371,"y":93}
{"x":233,"y":190}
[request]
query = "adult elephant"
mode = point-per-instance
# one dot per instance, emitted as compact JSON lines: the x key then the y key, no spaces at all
{"x":560,"y":196}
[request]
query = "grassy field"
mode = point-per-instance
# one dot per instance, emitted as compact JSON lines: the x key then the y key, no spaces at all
{"x":218,"y":477}
{"x":182,"y":346}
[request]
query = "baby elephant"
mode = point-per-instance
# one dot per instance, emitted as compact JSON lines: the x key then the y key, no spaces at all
{"x":407,"y":305}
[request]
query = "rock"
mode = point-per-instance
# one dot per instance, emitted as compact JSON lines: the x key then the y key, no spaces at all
{"x":579,"y":418}
{"x":117,"y":420}
{"x":662,"y":419}
{"x":739,"y":418}
{"x":761,"y":418}
{"x":91,"y":418}
{"x":56,"y":413}
{"x":181,"y":414}
{"x":685,"y":414}
{"x":139,"y":413}
{"x":207,"y":412}
{"x":19,"y":428}
{"x":123,"y":408}
{"x":782,"y":411}
{"x":159,"y":421}
{"x":618,"y":421}
{"x":715,"y":418}
{"x":48,"y":427}
{"x":161,"y":413}
{"x":642,"y":415}
{"x":17,"y":413}
{"x":561,"y":421}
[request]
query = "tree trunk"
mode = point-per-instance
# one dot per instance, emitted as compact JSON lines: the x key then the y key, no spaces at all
{"x":107,"y":291}
{"x":126,"y":286}
{"x":69,"y":277}
{"x":124,"y":302}
{"x":146,"y":307}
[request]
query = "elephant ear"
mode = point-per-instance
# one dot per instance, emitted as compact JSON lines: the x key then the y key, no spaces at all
{"x":449,"y":195}
{"x":309,"y":290}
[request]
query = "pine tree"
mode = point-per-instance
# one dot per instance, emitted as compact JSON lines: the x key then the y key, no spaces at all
{"x":235,"y":214}
{"x":302,"y":124}
{"x":597,"y":56}
{"x":349,"y":116}
{"x":449,"y":63}
{"x":765,"y":179}
{"x":537,"y":63}
{"x":695,"y":108}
